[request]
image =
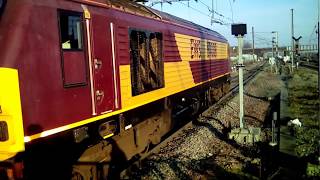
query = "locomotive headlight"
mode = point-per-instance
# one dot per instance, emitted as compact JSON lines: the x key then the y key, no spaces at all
{"x":4,"y":134}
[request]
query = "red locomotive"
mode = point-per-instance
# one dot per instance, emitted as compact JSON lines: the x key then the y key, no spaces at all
{"x":88,"y":82}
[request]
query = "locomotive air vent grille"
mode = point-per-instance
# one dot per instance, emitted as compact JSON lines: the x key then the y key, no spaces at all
{"x":4,"y":135}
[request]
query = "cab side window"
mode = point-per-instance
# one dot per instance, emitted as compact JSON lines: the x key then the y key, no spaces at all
{"x":71,"y":31}
{"x":73,"y":56}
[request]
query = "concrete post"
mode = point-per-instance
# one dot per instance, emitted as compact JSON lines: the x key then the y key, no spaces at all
{"x":253,"y":44}
{"x":272,"y":54}
{"x":273,"y":140}
{"x":277,"y":45}
{"x":292,"y":41}
{"x":277,"y":53}
{"x":240,"y":61}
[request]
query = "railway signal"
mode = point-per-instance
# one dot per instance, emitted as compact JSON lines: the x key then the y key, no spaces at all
{"x":239,"y":30}
{"x":242,"y":134}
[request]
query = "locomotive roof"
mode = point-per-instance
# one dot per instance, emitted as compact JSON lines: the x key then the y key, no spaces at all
{"x":136,"y":8}
{"x":181,"y":21}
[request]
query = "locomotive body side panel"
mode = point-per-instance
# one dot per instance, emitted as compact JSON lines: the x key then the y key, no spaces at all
{"x":181,"y":72}
{"x":30,"y":30}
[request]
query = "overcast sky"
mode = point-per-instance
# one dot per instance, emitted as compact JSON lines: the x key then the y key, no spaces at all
{"x":264,"y":15}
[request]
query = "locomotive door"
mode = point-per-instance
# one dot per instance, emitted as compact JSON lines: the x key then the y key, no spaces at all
{"x":103,"y":65}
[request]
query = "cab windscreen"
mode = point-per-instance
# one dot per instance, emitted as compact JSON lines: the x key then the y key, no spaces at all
{"x":2,"y":6}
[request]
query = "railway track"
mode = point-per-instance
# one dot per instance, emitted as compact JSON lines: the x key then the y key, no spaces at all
{"x":311,"y":65}
{"x":250,"y":74}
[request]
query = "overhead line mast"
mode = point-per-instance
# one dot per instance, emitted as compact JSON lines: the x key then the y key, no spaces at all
{"x":292,"y":40}
{"x":253,"y":43}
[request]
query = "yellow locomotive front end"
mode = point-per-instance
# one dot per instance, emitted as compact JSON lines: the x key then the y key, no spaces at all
{"x":11,"y":125}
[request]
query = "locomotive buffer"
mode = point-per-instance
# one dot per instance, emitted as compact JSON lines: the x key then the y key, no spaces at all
{"x":243,"y":134}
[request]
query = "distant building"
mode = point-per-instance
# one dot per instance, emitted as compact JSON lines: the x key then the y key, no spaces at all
{"x":258,"y":51}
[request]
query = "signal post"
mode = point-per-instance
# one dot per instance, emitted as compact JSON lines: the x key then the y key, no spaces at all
{"x":243,"y":135}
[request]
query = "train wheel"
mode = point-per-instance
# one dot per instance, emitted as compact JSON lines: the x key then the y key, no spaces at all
{"x":208,"y":98}
{"x":196,"y":104}
{"x":226,"y":88}
{"x":94,"y":162}
{"x":145,"y":151}
{"x":216,"y":93}
{"x":82,"y":173}
{"x":77,"y":176}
